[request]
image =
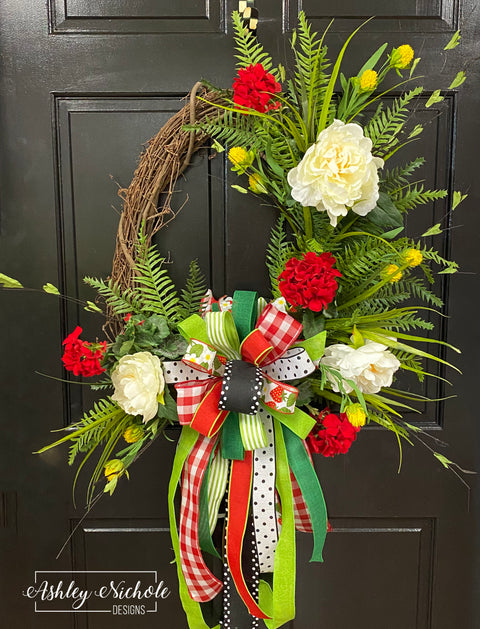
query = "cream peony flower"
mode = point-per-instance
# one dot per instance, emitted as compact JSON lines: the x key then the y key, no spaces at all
{"x":338,"y":172}
{"x":138,"y":381}
{"x":371,"y":366}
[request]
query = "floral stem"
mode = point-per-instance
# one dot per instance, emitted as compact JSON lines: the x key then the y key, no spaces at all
{"x":371,"y":291}
{"x":307,"y":215}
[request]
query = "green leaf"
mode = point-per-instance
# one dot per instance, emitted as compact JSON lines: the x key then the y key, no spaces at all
{"x":392,"y":233}
{"x":415,"y":131}
{"x":458,"y":197}
{"x":433,"y":231}
{"x":434,"y":98}
{"x":9,"y":282}
{"x":312,"y":324}
{"x":458,"y":80}
{"x":91,"y":307}
{"x":443,"y":460}
{"x":385,"y":214}
{"x":448,"y":270}
{"x":305,"y":393}
{"x":217,"y":146}
{"x":414,"y":65}
{"x":371,"y":63}
{"x":51,"y":289}
{"x":239,"y":189}
{"x":454,"y":41}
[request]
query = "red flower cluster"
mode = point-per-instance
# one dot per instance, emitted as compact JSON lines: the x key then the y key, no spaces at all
{"x":310,"y":282}
{"x":254,"y":88}
{"x":81,"y":357}
{"x":332,"y":434}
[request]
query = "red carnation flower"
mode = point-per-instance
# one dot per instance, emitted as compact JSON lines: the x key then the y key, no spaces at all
{"x":254,"y":88}
{"x":332,"y":434}
{"x":310,"y":282}
{"x":81,"y":357}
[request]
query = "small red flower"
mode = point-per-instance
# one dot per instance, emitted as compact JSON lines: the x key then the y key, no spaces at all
{"x":332,"y":434}
{"x":81,"y":357}
{"x":310,"y":282}
{"x":254,"y":88}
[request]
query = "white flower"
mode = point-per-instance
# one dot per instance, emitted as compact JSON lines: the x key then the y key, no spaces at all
{"x":338,"y":172}
{"x":138,"y":381}
{"x":370,"y":366}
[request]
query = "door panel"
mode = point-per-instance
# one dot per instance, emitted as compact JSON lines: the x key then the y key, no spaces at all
{"x":83,"y":87}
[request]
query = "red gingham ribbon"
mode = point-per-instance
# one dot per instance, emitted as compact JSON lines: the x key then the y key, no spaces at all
{"x":201,"y":583}
{"x":189,"y":396}
{"x":300,"y":509}
{"x":280,"y":330}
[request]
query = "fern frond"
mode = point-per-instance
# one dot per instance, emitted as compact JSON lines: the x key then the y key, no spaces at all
{"x":155,"y":289}
{"x":249,"y":49}
{"x":410,"y":196}
{"x":195,"y":289}
{"x":232,"y":128}
{"x":279,"y":250}
{"x":385,"y":126}
{"x":120,"y":301}
{"x":397,"y":177}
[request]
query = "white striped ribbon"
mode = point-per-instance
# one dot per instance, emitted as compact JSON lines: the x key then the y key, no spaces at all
{"x":252,"y":431}
{"x":223,"y":334}
{"x":217,"y":485}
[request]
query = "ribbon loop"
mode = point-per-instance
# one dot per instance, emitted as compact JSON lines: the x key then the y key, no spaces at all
{"x":241,"y":388}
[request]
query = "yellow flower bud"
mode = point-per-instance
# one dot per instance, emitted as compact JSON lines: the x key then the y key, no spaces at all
{"x":401,"y":57}
{"x":257,"y":184}
{"x":133,"y":433}
{"x":113,"y":468}
{"x":413,"y":257}
{"x":368,"y":80}
{"x":356,"y":415}
{"x":390,"y":272}
{"x":240,"y":158}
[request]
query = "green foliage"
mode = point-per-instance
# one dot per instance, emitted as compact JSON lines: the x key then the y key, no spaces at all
{"x":279,"y":250}
{"x":410,"y":196}
{"x":398,"y":176}
{"x":385,"y":125}
{"x":120,"y":301}
{"x":233,"y":128}
{"x":249,"y":49}
{"x":156,"y":290}
{"x":94,"y":427}
{"x":195,"y":288}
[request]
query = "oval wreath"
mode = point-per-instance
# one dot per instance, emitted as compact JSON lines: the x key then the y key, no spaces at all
{"x":258,"y":386}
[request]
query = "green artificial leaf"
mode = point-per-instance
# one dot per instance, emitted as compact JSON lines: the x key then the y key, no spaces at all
{"x":125,"y":348}
{"x":312,"y":324}
{"x":458,"y":80}
{"x":454,"y":41}
{"x":458,"y":197}
{"x":433,"y":231}
{"x":51,"y":289}
{"x":9,"y":282}
{"x":415,"y":131}
{"x":90,"y":307}
{"x":358,"y":340}
{"x":111,"y":485}
{"x":443,"y":460}
{"x":434,"y":98}
{"x":217,"y":146}
{"x":168,"y":410}
{"x":305,"y":393}
{"x":282,"y":72}
{"x":392,"y":233}
{"x":414,"y":65}
{"x":385,"y":214}
{"x":239,"y":189}
{"x":372,"y":62}
{"x":448,"y":270}
{"x":412,"y":427}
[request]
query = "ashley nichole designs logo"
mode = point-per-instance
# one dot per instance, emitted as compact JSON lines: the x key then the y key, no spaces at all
{"x":82,"y":591}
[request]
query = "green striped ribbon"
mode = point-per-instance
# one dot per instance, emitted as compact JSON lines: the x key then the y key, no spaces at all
{"x":252,"y":432}
{"x":223,"y":334}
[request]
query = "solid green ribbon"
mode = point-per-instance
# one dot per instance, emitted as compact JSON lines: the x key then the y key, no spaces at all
{"x":244,"y":311}
{"x":280,"y":603}
{"x":204,"y":536}
{"x":192,"y":609}
{"x":314,"y":346}
{"x":232,"y":445}
{"x":194,"y":327}
{"x":309,"y":484}
{"x":299,"y":422}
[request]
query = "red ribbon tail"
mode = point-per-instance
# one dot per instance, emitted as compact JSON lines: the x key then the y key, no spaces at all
{"x":238,"y":504}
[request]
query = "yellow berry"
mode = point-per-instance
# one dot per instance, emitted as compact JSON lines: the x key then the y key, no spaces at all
{"x":368,"y":80}
{"x":401,"y":56}
{"x":133,"y":433}
{"x":390,"y":272}
{"x":413,"y":257}
{"x":257,"y":184}
{"x":356,"y":415}
{"x":113,"y":468}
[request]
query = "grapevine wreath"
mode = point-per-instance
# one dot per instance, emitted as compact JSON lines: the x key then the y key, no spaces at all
{"x":260,"y":385}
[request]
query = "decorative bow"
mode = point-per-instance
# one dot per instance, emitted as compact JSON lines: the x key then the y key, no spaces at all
{"x":240,"y":423}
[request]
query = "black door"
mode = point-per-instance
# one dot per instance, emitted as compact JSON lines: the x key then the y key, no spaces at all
{"x":83,"y":85}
